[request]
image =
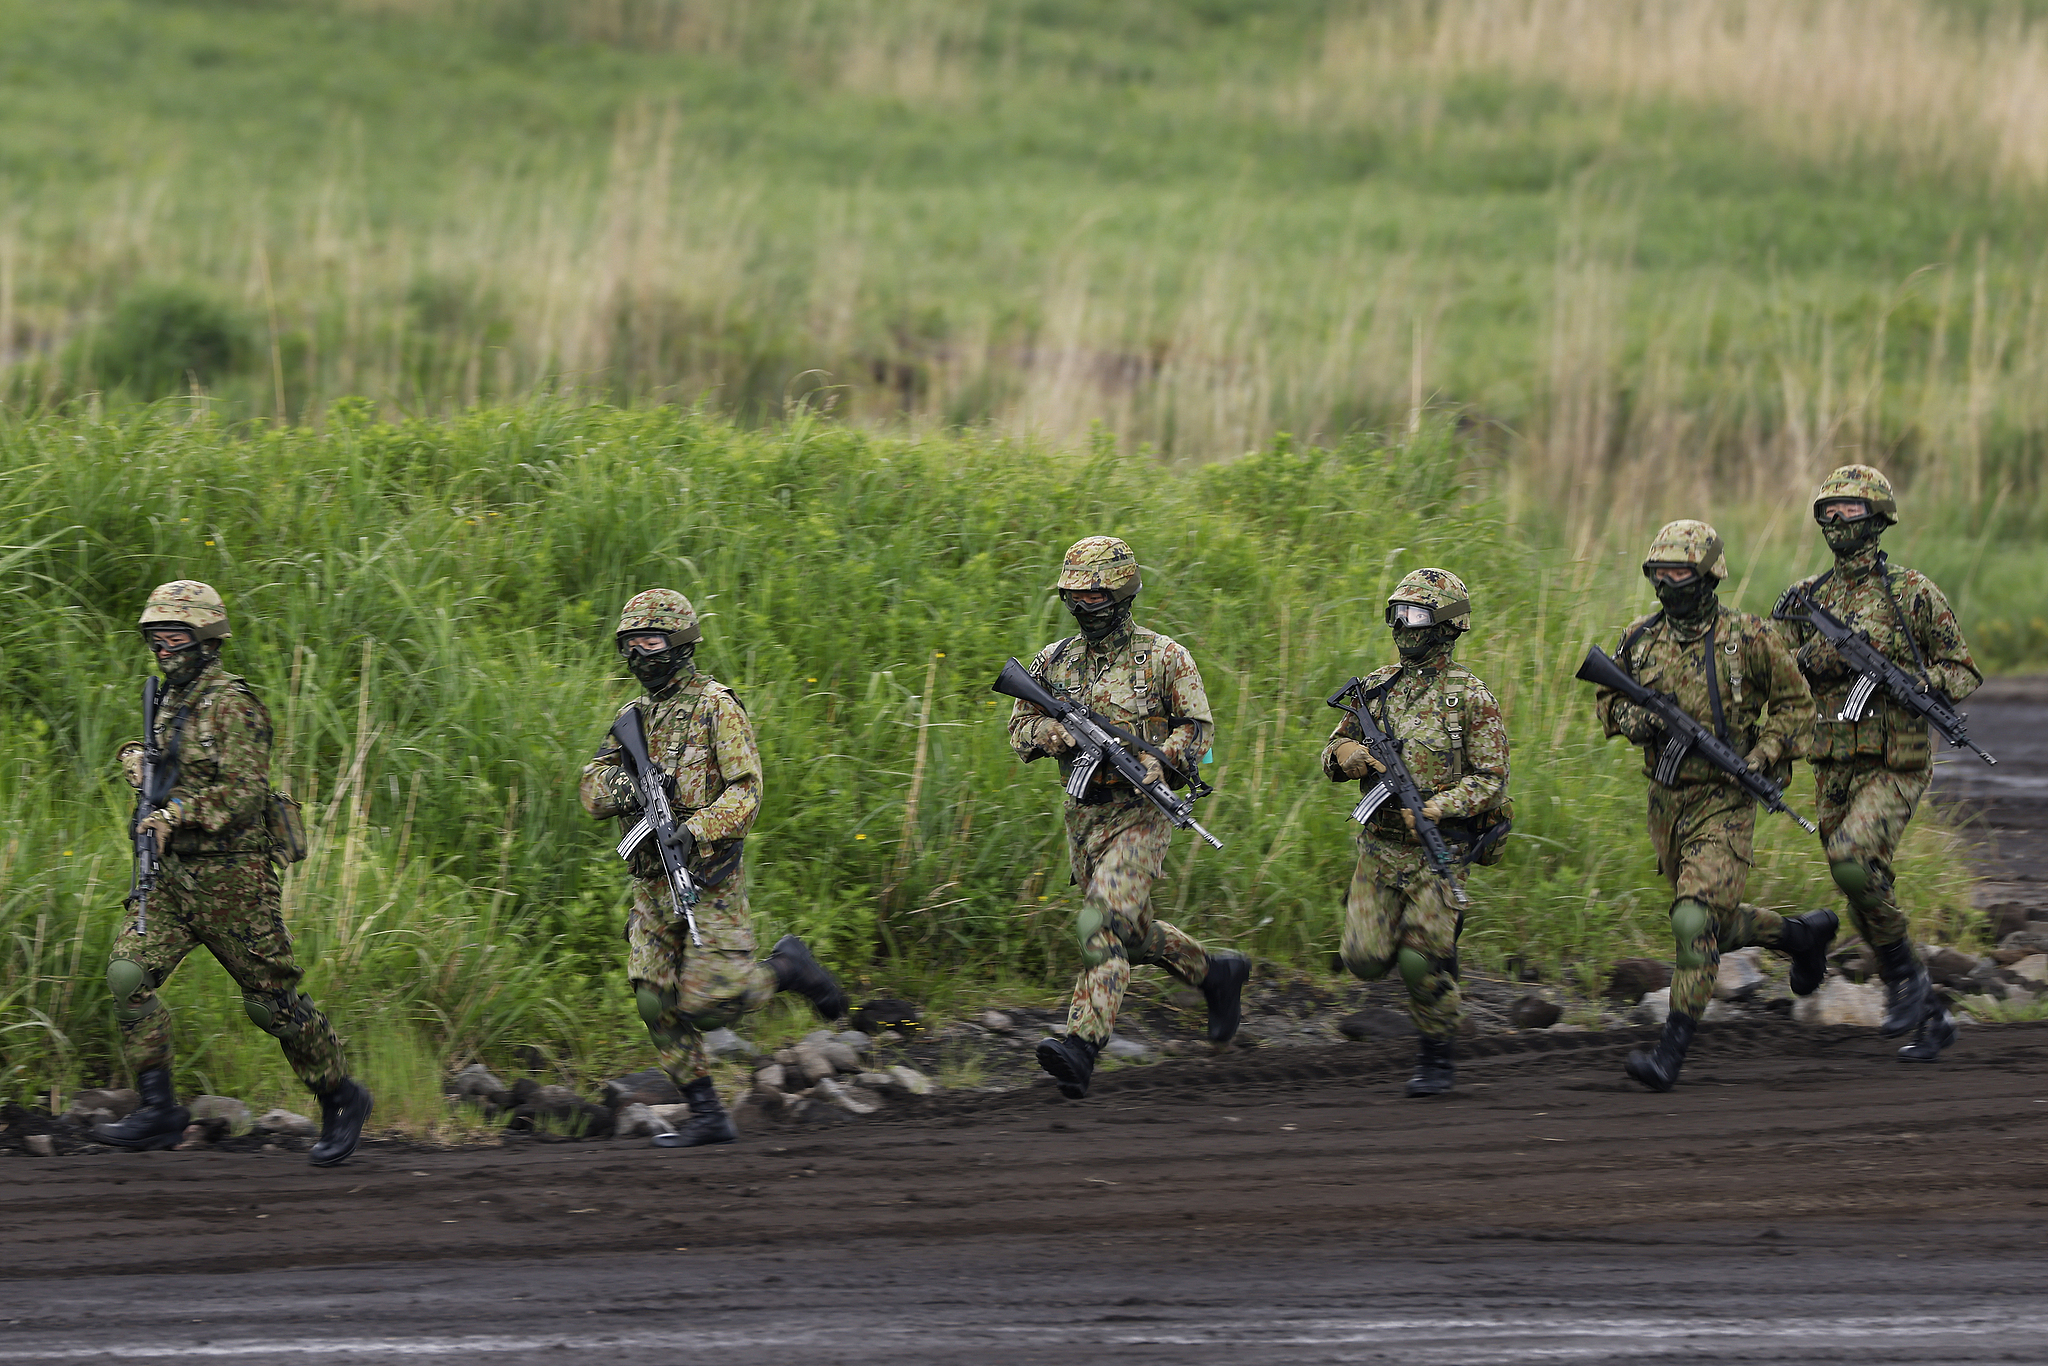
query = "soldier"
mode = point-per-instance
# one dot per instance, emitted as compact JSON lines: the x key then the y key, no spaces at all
{"x":1399,"y":912}
{"x":699,"y":735}
{"x":218,"y":886}
{"x":1870,"y":774}
{"x":1146,"y":684}
{"x":1731,"y":671}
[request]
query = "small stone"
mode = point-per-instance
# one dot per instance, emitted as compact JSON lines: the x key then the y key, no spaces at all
{"x":1739,"y":976}
{"x":476,"y":1081}
{"x":1128,"y":1050}
{"x":1533,"y":1012}
{"x":773,"y":1077}
{"x":639,"y":1121}
{"x":812,"y":1062}
{"x":2034,"y":969}
{"x":1979,"y":1005}
{"x":911,"y":1081}
{"x":841,"y":1057}
{"x":1840,"y":1002}
{"x":725,"y":1046}
{"x":203,"y":1134}
{"x":788,"y":1058}
{"x":995,"y":1022}
{"x":1377,"y":1022}
{"x":221,"y":1107}
{"x":1654,"y":1008}
{"x":650,"y":1086}
{"x":875,"y":1081}
{"x":116,"y":1104}
{"x":40,"y":1145}
{"x":1635,"y":978}
{"x":285,"y":1122}
{"x":1951,"y":966}
{"x":888,"y":1036}
{"x":2033,"y":941}
{"x":676,"y":1114}
{"x":833,"y":1093}
{"x":1719,"y":1011}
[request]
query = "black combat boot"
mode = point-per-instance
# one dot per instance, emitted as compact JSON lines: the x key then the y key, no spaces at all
{"x":1936,"y":1032}
{"x":1806,"y":938}
{"x":1434,"y":1072}
{"x":1906,"y":988}
{"x":708,"y":1123}
{"x":1223,"y":989}
{"x":159,"y":1122}
{"x":1071,"y":1061}
{"x":343,"y":1113}
{"x":795,"y":970}
{"x":1658,"y":1068}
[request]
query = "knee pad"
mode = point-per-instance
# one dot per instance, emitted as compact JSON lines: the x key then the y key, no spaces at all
{"x":1090,"y":921}
{"x":1689,"y":921}
{"x":1859,"y":882}
{"x":278,"y":1014}
{"x":125,"y":977}
{"x":651,"y":1004}
{"x":1415,"y":967}
{"x":1366,"y":969}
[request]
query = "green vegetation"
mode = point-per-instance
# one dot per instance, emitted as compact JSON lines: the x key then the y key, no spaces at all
{"x":427,"y":609}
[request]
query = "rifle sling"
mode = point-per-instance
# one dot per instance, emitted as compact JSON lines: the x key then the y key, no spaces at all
{"x":1196,"y":787}
{"x":1884,"y":576}
{"x":1713,"y":677}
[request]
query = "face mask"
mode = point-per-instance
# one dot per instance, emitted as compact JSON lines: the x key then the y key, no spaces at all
{"x":183,"y":665}
{"x":657,"y":670}
{"x":1846,"y":538}
{"x":1097,"y":622}
{"x":1690,"y":600}
{"x":1415,"y":642}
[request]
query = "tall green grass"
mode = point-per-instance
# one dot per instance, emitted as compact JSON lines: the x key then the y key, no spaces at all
{"x":427,"y":609}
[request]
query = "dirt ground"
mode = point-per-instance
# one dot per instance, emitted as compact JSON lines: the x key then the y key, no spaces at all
{"x":1802,"y":1196}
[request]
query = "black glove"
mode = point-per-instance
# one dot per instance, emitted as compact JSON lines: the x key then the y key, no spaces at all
{"x":685,"y":844}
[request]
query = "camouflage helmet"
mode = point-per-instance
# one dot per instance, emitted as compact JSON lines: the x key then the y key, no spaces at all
{"x":1441,"y":591}
{"x":664,"y":610}
{"x":1859,"y":481}
{"x":1100,"y":563}
{"x":187,"y":602}
{"x":1687,"y":542}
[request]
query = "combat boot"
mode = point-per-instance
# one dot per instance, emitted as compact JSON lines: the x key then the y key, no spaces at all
{"x":1658,"y":1067}
{"x":795,"y":970}
{"x":1434,"y":1072}
{"x":1805,"y":938}
{"x":159,"y":1122}
{"x":1936,"y":1032}
{"x":1223,"y":989}
{"x":1071,"y":1061}
{"x":1906,"y":988}
{"x":708,"y":1122}
{"x":343,"y":1113}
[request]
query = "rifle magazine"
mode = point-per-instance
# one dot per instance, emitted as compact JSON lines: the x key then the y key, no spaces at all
{"x":1375,"y":797}
{"x":1669,"y":758}
{"x":641,"y":832}
{"x":1860,"y":693}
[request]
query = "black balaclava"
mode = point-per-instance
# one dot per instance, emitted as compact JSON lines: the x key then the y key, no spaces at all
{"x":656,"y":669}
{"x":1097,"y":623}
{"x":1691,"y":602}
{"x":1850,"y":539}
{"x":187,"y":663}
{"x":1417,"y":643}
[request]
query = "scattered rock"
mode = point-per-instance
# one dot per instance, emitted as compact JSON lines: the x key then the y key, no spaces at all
{"x":887,"y":1012}
{"x":1654,"y":1007}
{"x":2034,"y":969}
{"x":911,"y":1081}
{"x":1739,"y":976}
{"x":40,"y":1145}
{"x":673,"y":1115}
{"x":203,"y":1133}
{"x":725,"y":1046}
{"x":1854,"y":960}
{"x":1951,"y":967}
{"x":226,"y":1108}
{"x":2033,"y":941}
{"x":773,"y":1077}
{"x":841,"y":1056}
{"x":2005,"y":917}
{"x":1635,"y":978}
{"x":1377,"y":1022}
{"x":1533,"y":1012}
{"x":651,"y":1086}
{"x":285,"y":1122}
{"x":1840,"y":1002}
{"x":1719,"y":1011}
{"x":1128,"y":1050}
{"x":1978,"y":1005}
{"x":995,"y":1022}
{"x":475,"y":1081}
{"x":888,"y":1036}
{"x":833,"y":1093}
{"x":811,"y":1060}
{"x":91,"y":1107}
{"x":639,"y":1121}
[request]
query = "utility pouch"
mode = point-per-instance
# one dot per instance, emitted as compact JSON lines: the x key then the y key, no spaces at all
{"x":287,"y":827}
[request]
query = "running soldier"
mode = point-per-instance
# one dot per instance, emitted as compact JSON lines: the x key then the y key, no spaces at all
{"x":1729,"y":670}
{"x":209,"y":815}
{"x":1400,"y":912}
{"x":1870,"y":774}
{"x":699,"y":736}
{"x":1147,"y":684}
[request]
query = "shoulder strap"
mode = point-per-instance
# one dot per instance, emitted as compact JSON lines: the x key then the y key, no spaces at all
{"x":1713,"y":677}
{"x":1628,"y":642}
{"x":1884,"y":572}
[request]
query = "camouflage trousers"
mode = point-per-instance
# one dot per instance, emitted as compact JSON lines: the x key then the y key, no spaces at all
{"x":684,"y":990}
{"x":1705,"y":838}
{"x":1864,"y":809}
{"x":1118,"y":849}
{"x":230,"y":907}
{"x":1399,"y":912}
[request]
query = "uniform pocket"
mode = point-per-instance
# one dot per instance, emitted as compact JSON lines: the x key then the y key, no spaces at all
{"x":1907,"y":744}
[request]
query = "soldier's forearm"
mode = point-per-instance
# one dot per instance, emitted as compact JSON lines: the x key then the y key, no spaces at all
{"x":732,"y":815}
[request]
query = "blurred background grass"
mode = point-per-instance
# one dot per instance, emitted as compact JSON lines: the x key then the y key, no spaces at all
{"x":463,"y":319}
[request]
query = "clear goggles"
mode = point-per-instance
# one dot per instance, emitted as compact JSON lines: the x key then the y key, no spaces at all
{"x":1671,"y":572}
{"x":644,"y":642}
{"x":1843,"y":510}
{"x":1410,"y":614}
{"x":169,"y":637}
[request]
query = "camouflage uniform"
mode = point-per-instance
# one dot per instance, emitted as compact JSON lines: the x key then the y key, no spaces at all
{"x":1870,"y":774}
{"x":218,"y":888}
{"x":1456,"y":747}
{"x":1147,"y":684}
{"x":698,"y":732}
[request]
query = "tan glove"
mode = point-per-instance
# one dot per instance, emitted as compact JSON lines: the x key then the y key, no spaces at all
{"x":1432,"y":811}
{"x":1355,"y":760}
{"x":130,"y":757}
{"x":158,"y":824}
{"x":1763,"y":756}
{"x":1056,"y":740}
{"x":1153,"y":772}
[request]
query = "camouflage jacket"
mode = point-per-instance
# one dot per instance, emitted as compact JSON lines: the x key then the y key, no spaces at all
{"x":1765,"y":707}
{"x":219,"y":804}
{"x":699,"y":734}
{"x":1140,"y":680}
{"x":1452,"y":739}
{"x":1854,"y":592}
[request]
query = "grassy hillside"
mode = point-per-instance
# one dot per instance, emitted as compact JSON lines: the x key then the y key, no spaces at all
{"x":427,"y":609}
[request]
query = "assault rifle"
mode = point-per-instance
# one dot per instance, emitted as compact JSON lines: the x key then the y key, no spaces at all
{"x":1098,"y":742}
{"x":156,"y":785}
{"x":657,"y":818}
{"x":1683,"y":736}
{"x":1875,"y":671}
{"x":1396,"y":783}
